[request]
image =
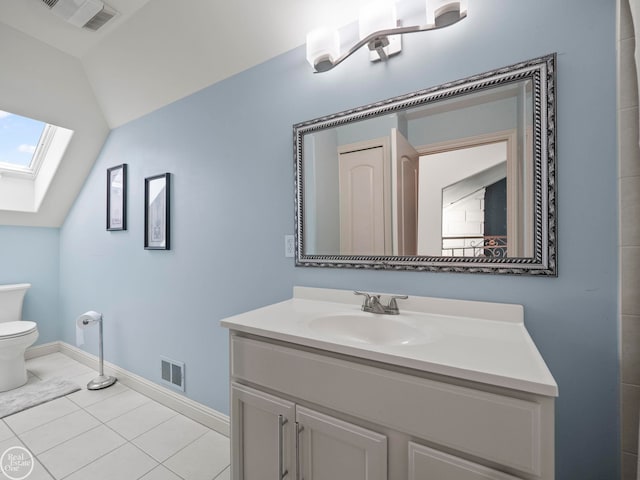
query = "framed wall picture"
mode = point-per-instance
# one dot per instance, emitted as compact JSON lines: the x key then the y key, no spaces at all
{"x":156,"y":212}
{"x":117,"y":197}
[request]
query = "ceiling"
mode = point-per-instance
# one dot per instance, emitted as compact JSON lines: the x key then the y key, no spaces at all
{"x":35,"y":18}
{"x":155,"y":52}
{"x":152,"y":53}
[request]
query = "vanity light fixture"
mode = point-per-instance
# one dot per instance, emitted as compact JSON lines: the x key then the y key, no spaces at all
{"x":379,"y":29}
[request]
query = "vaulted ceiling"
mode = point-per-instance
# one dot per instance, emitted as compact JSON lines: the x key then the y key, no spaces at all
{"x":152,"y":53}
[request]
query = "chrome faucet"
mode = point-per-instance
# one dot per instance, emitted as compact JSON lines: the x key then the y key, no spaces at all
{"x":372,"y":303}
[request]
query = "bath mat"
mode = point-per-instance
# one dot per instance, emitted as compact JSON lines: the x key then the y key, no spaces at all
{"x":33,"y":394}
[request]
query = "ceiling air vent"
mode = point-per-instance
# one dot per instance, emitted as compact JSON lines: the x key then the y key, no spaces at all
{"x":90,"y":14}
{"x":100,"y":18}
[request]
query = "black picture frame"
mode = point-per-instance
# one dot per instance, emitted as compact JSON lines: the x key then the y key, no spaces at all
{"x":157,"y":212}
{"x":117,"y":198}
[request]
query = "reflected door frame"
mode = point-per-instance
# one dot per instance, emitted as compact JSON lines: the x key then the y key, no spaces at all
{"x":519,"y":172}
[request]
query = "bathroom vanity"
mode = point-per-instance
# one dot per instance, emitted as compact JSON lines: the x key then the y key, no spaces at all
{"x":446,"y":390}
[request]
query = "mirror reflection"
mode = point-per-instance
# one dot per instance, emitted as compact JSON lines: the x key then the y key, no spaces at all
{"x":450,"y":178}
{"x":459,"y":177}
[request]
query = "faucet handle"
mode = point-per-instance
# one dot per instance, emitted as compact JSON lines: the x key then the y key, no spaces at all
{"x":393,"y":305}
{"x":367,"y":298}
{"x":399,"y":297}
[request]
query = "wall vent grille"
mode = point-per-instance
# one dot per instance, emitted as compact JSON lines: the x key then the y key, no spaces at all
{"x":50,"y":3}
{"x":172,"y":373}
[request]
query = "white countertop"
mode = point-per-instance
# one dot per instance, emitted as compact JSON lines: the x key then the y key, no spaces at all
{"x":478,"y":341}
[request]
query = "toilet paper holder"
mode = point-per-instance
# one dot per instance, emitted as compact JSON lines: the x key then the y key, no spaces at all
{"x":102,"y":380}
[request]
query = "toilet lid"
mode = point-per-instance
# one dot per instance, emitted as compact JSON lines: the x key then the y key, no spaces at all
{"x":16,"y":329}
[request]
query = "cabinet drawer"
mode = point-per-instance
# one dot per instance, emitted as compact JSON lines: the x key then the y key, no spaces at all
{"x":425,"y":462}
{"x":498,"y":428}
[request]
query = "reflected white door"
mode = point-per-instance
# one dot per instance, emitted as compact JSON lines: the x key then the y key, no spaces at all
{"x":362,"y":213}
{"x":404,"y":184}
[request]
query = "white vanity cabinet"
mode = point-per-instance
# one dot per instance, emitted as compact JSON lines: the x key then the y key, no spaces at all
{"x":444,"y":390}
{"x":274,"y":438}
{"x":368,"y":420}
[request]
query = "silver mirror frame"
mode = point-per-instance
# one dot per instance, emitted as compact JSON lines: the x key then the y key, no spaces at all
{"x":542,"y":73}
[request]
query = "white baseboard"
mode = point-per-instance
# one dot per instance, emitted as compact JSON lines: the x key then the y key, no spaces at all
{"x":190,"y":408}
{"x":41,"y":350}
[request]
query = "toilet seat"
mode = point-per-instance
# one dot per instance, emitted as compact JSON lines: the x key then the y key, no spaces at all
{"x":16,"y":329}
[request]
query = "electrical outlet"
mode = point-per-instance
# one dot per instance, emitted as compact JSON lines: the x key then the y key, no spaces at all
{"x":289,"y":246}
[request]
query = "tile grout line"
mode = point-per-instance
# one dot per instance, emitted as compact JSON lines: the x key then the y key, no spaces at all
{"x":95,"y":459}
{"x":130,"y":442}
{"x":77,"y":407}
{"x":34,"y":456}
{"x":73,"y":438}
{"x":228,"y":467}
{"x":164,"y":466}
{"x":43,"y":466}
{"x":149,"y":429}
{"x":47,"y":423}
{"x":191,"y":442}
{"x":144,"y":453}
{"x":42,"y":424}
{"x":126,"y":441}
{"x":101,"y":423}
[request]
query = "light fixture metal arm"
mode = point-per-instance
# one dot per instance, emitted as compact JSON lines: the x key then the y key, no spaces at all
{"x":326,"y":66}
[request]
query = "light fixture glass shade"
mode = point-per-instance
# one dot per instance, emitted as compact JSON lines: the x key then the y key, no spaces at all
{"x":376,"y":16}
{"x":443,"y":12}
{"x":323,"y":45}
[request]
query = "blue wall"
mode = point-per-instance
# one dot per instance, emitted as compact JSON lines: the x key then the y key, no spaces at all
{"x":30,"y":255}
{"x":229,"y":148}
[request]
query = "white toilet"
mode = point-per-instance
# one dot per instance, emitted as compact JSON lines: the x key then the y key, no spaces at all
{"x":15,"y":336}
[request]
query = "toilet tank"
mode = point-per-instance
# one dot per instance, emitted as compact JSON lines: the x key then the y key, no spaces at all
{"x":11,"y":297}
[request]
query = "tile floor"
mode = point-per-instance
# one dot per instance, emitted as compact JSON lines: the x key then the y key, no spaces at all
{"x":111,"y":434}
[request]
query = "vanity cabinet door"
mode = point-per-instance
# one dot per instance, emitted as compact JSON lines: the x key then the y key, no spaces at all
{"x":427,"y":463}
{"x":261,"y":435}
{"x":331,"y":449}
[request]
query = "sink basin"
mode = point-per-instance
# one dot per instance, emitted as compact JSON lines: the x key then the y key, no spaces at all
{"x":373,"y":329}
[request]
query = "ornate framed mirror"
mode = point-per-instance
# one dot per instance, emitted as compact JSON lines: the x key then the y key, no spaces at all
{"x":458,"y":178}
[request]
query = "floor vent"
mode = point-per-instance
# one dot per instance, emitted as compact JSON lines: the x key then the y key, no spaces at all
{"x":172,"y":373}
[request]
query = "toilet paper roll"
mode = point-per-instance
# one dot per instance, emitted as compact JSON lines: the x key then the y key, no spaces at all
{"x":85,"y":320}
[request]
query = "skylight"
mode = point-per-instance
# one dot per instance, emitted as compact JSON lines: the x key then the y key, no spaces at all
{"x":19,"y":139}
{"x":30,"y":152}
